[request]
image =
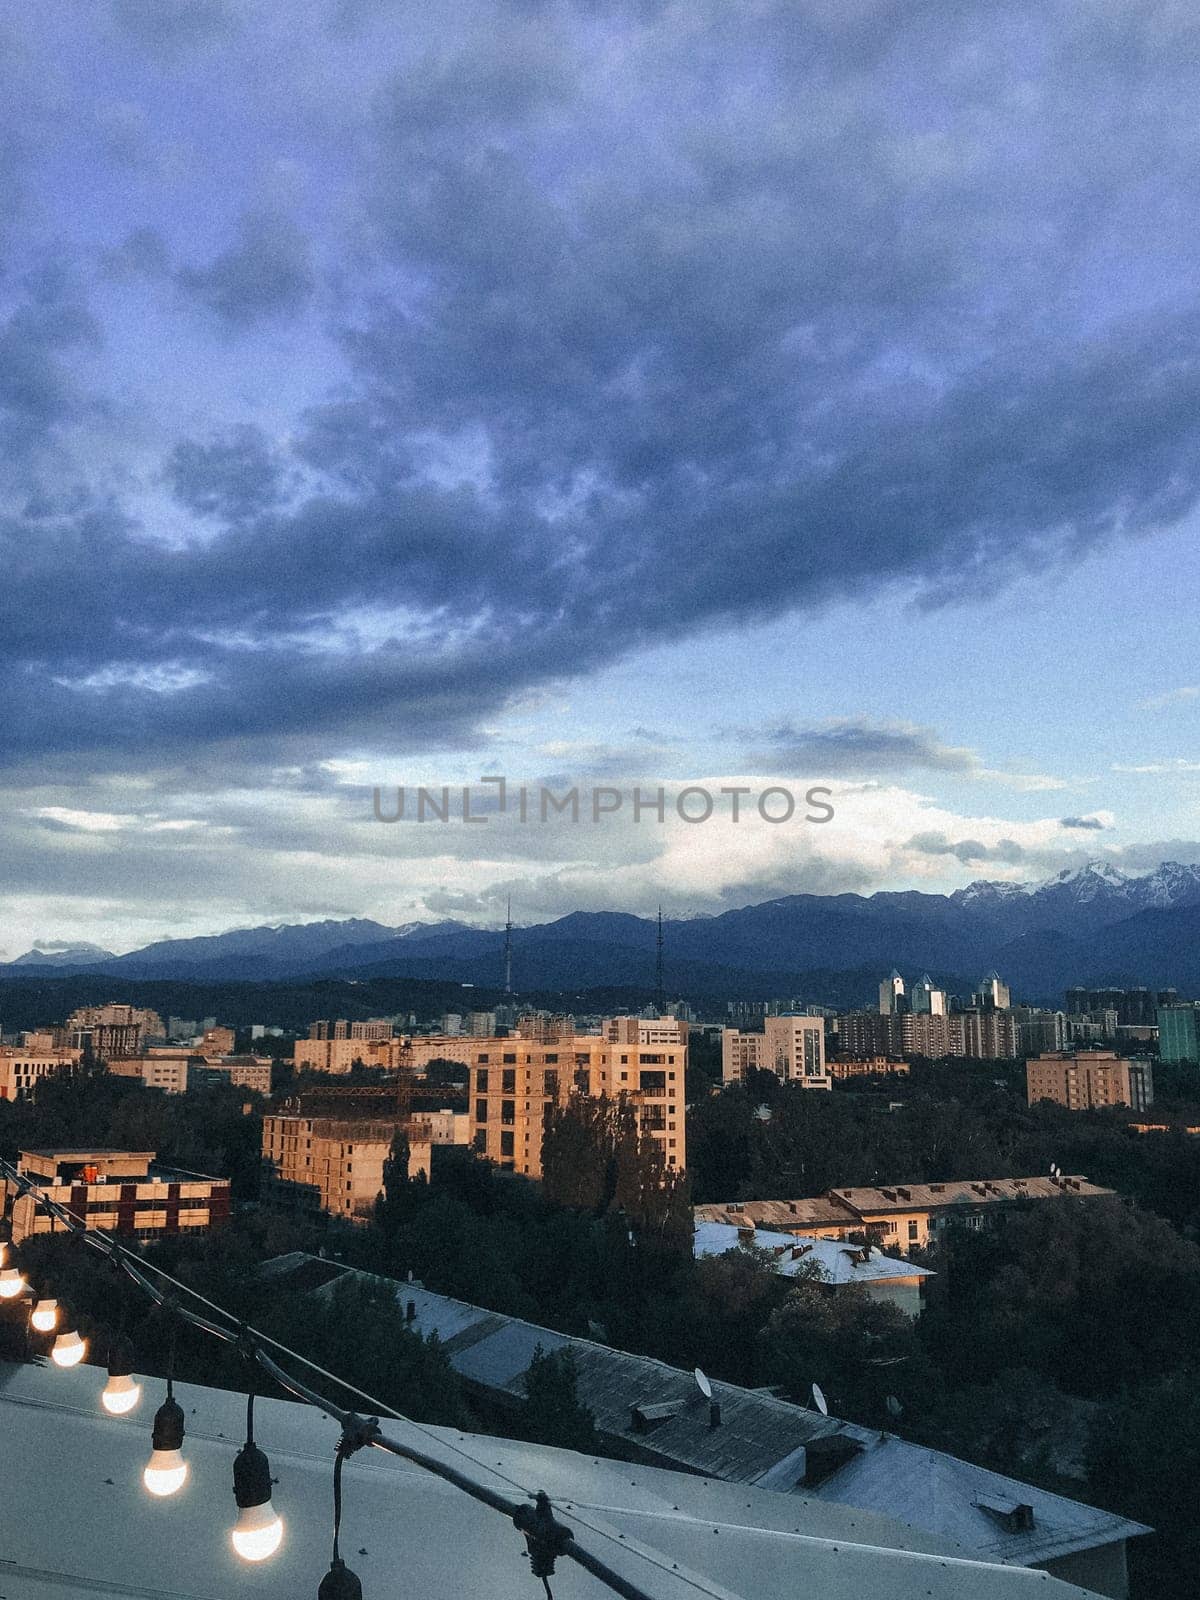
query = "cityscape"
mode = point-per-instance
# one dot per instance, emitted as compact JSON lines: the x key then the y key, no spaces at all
{"x":599,"y":800}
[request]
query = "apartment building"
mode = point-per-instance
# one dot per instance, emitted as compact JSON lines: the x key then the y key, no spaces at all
{"x":1090,"y":1080}
{"x":369,"y":1028}
{"x":113,"y":1030}
{"x":792,"y":1047}
{"x":125,"y":1192}
{"x":515,"y":1080}
{"x":338,"y":1055}
{"x":22,"y":1069}
{"x":872,"y":1067}
{"x":328,"y":1164}
{"x":911,"y":1216}
{"x":1179,"y":1032}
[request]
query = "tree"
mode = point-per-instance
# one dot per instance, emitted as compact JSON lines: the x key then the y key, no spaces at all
{"x":554,"y":1413}
{"x":1146,"y":1464}
{"x":858,"y":1349}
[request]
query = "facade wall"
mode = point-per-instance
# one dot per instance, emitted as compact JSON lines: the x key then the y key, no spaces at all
{"x":1089,"y":1081}
{"x":514,"y":1081}
{"x":21,"y":1070}
{"x":326,"y":1164}
{"x":792,"y":1047}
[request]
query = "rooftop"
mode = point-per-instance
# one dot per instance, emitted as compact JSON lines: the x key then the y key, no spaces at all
{"x":78,"y":1524}
{"x":982,"y":1191}
{"x":761,"y":1440}
{"x":788,"y":1214}
{"x":795,"y":1255}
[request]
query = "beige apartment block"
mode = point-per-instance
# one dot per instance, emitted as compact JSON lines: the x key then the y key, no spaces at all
{"x":326,"y":1164}
{"x":792,"y":1047}
{"x":1089,"y":1080}
{"x":22,"y":1069}
{"x":514,"y":1082}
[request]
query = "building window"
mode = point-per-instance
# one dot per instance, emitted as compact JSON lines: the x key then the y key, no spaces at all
{"x":481,"y":1111}
{"x":913,"y":1230}
{"x":481,"y":1081}
{"x":507,"y":1144}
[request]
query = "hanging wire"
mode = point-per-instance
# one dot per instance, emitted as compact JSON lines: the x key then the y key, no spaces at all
{"x":355,"y":1429}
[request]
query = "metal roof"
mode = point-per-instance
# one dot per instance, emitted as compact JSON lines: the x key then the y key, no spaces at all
{"x":978,"y":1192}
{"x":78,"y":1524}
{"x":760,"y":1440}
{"x":820,"y":1211}
{"x":838,"y":1263}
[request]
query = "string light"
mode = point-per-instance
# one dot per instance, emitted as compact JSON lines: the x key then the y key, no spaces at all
{"x":122,"y":1392}
{"x":258,"y":1531}
{"x":12,"y":1283}
{"x":69,"y":1349}
{"x":44,"y":1318}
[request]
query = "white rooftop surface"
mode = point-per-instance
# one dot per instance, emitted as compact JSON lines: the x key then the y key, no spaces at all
{"x":839,"y":1263}
{"x":77,"y":1523}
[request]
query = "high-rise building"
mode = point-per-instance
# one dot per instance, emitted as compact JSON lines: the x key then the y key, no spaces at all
{"x":891,"y":995}
{"x":927,"y":1000}
{"x":993,"y":994}
{"x":516,"y":1081}
{"x":931,"y":1033}
{"x":1179,"y":1033}
{"x":326,"y":1164}
{"x":113,"y":1030}
{"x":1132,"y":1006}
{"x":793,"y":1048}
{"x":1090,"y":1080}
{"x":1039,"y":1030}
{"x":863,"y":1035}
{"x":989,"y":1034}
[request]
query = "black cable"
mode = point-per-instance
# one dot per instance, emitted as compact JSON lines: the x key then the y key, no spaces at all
{"x":555,"y":1538}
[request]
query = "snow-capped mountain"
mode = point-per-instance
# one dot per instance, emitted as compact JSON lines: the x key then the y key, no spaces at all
{"x":58,"y":953}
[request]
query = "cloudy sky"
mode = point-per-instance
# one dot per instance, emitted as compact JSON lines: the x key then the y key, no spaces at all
{"x":723,"y":391}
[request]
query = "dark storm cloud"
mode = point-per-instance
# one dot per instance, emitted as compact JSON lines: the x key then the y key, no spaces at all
{"x":235,"y":476}
{"x":265,"y":273}
{"x":855,"y":745}
{"x":39,"y":390}
{"x":1082,"y":822}
{"x":654,"y":318}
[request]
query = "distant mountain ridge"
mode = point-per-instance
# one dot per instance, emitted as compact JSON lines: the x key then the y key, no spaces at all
{"x":1095,"y":923}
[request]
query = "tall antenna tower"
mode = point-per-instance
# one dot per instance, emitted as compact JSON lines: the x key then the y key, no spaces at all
{"x":660,"y":995}
{"x":508,"y":948}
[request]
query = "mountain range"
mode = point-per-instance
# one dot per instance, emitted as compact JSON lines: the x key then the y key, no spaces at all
{"x":1094,"y":924}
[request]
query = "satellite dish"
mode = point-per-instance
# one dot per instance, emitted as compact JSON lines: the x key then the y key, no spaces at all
{"x":893,"y":1405}
{"x":819,"y":1400}
{"x":703,"y":1385}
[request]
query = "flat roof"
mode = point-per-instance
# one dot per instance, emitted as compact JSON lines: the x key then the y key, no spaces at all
{"x":820,"y":1211}
{"x":980,"y":1191}
{"x":89,"y":1153}
{"x":79,"y":1524}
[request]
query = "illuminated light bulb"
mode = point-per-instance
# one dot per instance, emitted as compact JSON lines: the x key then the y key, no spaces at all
{"x":45,"y":1316}
{"x":258,"y":1531}
{"x":165,"y":1473}
{"x":12,"y":1283}
{"x":122,"y":1392}
{"x":166,"y":1470}
{"x":69,"y":1349}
